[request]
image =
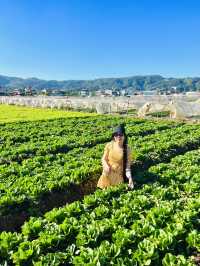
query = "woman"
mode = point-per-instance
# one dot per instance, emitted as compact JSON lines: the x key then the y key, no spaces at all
{"x":116,"y":161}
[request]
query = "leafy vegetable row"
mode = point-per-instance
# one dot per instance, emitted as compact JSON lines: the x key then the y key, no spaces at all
{"x":113,"y":226}
{"x":73,"y":136}
{"x":36,"y":176}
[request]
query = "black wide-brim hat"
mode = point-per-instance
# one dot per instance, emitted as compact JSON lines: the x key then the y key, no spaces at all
{"x":120,"y":130}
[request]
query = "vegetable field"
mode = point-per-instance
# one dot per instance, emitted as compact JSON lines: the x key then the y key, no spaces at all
{"x":52,"y":214}
{"x":12,"y":113}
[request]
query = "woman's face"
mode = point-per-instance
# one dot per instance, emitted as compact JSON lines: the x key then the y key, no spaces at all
{"x":119,"y":138}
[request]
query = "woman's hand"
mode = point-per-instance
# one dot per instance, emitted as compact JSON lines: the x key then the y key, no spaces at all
{"x":106,"y":168}
{"x":105,"y":163}
{"x":130,"y":180}
{"x":130,"y":183}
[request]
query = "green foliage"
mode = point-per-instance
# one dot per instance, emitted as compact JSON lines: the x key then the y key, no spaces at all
{"x":157,"y":223}
{"x":71,"y":87}
{"x":159,"y":114}
{"x":40,"y":157}
{"x":9,"y":113}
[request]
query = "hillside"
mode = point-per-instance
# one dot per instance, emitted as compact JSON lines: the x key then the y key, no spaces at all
{"x":141,"y":83}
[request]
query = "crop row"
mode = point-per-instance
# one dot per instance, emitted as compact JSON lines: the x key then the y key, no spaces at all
{"x":29,"y":181}
{"x":110,"y":227}
{"x":34,"y":137}
{"x":183,"y":170}
{"x":24,"y":132}
{"x":75,"y":136}
{"x":161,"y":146}
{"x":21,"y":132}
{"x":153,"y":225}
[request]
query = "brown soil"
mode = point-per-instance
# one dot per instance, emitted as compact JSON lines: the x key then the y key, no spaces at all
{"x":197,"y":259}
{"x":13,"y":222}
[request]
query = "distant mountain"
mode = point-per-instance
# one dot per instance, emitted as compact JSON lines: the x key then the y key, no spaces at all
{"x":150,"y":82}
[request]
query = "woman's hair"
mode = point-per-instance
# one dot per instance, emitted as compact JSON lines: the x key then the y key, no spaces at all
{"x":125,"y":156}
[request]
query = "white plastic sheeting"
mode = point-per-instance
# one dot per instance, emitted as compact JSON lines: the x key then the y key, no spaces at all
{"x":178,"y":106}
{"x":103,"y":108}
{"x":149,"y":108}
{"x":100,"y":104}
{"x":178,"y":109}
{"x":198,"y":101}
{"x":44,"y":102}
{"x":183,"y":110}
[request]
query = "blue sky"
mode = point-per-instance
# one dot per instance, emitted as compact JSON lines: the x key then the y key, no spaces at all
{"x":87,"y":39}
